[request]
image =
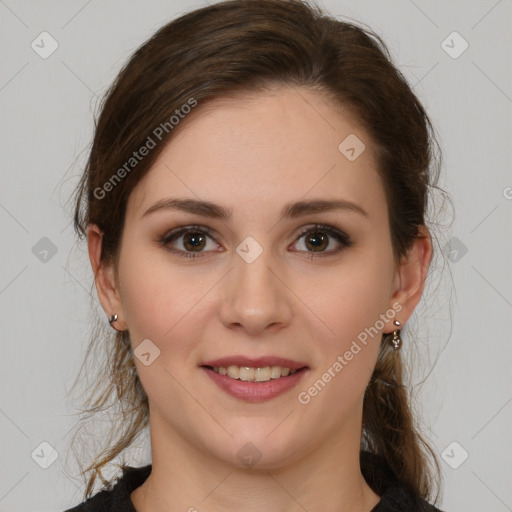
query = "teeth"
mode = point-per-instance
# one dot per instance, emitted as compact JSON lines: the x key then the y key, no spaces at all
{"x":254,"y":374}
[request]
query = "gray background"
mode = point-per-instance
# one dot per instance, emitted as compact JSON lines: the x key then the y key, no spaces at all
{"x":463,"y":349}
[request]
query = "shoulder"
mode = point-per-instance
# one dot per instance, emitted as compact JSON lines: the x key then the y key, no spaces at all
{"x":117,"y":498}
{"x":395,"y":496}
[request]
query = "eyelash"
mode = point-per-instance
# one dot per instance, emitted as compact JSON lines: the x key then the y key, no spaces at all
{"x":338,"y":235}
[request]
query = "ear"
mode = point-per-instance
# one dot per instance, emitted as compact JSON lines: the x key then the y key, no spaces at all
{"x":104,"y":277}
{"x":410,"y":277}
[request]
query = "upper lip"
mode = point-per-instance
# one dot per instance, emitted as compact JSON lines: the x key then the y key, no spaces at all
{"x":258,"y":362}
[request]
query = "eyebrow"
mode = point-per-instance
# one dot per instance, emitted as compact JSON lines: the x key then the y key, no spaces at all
{"x":290,"y":211}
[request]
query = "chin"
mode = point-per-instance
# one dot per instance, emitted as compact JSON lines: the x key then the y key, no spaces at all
{"x":259,"y":450}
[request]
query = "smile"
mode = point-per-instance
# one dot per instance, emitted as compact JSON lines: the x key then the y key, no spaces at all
{"x":244,"y":385}
{"x":249,"y":374}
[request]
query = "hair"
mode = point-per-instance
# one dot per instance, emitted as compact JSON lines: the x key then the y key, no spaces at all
{"x":240,"y":47}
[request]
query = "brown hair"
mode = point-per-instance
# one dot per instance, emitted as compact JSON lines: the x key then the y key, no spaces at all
{"x":240,"y":47}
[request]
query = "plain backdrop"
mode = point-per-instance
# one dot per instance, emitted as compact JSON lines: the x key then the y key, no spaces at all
{"x":463,"y":345}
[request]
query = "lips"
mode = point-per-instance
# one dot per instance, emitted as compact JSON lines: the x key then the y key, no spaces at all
{"x":255,"y":392}
{"x":251,"y":390}
{"x":259,"y":362}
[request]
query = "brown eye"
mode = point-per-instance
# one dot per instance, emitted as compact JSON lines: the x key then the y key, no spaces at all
{"x":190,"y":241}
{"x":317,"y":238}
{"x":193,"y":241}
{"x":317,"y":241}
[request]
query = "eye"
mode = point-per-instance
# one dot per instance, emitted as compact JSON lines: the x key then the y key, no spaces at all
{"x":319,"y":237}
{"x":191,"y":241}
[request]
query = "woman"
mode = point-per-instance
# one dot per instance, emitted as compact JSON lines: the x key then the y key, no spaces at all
{"x":255,"y":209}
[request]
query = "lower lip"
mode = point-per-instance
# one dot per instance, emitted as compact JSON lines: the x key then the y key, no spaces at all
{"x":255,"y":391}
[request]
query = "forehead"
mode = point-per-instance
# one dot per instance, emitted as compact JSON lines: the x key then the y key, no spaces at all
{"x":267,"y":148}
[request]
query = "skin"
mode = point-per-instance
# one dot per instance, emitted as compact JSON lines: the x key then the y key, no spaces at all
{"x":253,"y":155}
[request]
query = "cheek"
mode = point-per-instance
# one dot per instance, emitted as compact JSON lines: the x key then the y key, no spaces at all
{"x":349,"y":302}
{"x":160,"y":304}
{"x":348,"y":299}
{"x":152,"y":293}
{"x":164,"y":302}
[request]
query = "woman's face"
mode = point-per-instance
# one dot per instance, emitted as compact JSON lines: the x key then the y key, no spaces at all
{"x":261,"y":284}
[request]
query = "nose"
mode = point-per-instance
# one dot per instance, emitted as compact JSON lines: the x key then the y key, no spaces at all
{"x":255,"y":298}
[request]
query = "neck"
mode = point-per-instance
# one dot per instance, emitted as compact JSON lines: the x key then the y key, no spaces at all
{"x":186,"y":477}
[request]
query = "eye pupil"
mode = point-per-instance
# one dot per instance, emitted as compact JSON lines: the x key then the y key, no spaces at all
{"x":318,"y":240}
{"x":193,"y":240}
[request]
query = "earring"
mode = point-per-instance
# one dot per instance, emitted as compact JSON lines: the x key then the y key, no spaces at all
{"x":396,"y":341}
{"x":113,"y":319}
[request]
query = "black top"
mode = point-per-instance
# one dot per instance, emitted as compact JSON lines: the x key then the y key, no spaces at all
{"x":395,"y":497}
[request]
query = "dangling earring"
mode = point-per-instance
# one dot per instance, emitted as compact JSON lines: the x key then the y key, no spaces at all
{"x":396,"y":341}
